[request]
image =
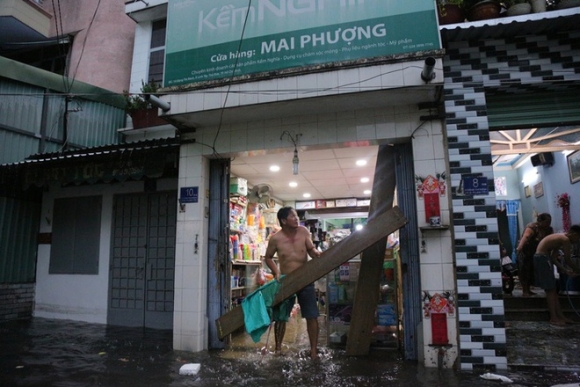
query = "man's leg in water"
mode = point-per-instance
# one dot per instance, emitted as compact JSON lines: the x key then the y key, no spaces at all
{"x":279,"y":331}
{"x":312,"y":327}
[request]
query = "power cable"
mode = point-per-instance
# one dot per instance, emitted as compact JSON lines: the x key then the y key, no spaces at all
{"x":58,"y":17}
{"x":231,"y":78}
{"x":84,"y":43}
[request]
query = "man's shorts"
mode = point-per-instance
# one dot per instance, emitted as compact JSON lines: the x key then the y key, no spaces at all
{"x":307,"y":301}
{"x":544,"y":272}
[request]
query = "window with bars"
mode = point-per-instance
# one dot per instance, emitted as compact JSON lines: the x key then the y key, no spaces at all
{"x":157,"y":51}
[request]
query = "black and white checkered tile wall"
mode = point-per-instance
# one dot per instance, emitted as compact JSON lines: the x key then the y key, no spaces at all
{"x":472,"y":68}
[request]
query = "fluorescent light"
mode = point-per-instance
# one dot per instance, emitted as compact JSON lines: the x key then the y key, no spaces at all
{"x":367,"y":192}
{"x":293,"y":184}
{"x":358,"y":227}
{"x":274,"y":168}
{"x":361,"y":163}
{"x":306,"y":195}
{"x":364,"y":180}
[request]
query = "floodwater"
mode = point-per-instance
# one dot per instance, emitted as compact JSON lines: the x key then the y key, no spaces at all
{"x":60,"y":353}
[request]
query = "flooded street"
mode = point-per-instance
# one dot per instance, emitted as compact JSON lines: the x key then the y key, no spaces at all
{"x":61,"y":353}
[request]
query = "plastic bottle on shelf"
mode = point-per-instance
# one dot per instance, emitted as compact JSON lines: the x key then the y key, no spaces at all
{"x":246,"y":252}
{"x":241,"y":252}
{"x":235,"y":247}
{"x":332,"y":293}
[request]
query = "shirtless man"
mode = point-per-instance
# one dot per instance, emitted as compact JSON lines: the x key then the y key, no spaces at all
{"x":546,"y":255}
{"x":293,"y":244}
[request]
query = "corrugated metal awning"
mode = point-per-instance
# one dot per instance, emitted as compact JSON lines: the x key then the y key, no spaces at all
{"x":108,"y":163}
{"x":530,"y":24}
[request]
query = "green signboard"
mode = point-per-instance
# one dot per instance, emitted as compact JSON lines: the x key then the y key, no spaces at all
{"x":217,"y":39}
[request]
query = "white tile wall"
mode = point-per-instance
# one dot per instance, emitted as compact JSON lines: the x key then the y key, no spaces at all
{"x":190,"y":323}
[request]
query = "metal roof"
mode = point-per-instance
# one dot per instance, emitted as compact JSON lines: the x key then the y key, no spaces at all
{"x":533,"y":23}
{"x":104,"y":150}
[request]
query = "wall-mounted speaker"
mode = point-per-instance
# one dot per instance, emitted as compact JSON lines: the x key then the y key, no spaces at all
{"x":546,"y":158}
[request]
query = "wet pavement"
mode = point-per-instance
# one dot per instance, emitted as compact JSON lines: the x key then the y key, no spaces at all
{"x":61,"y":353}
{"x":541,"y":346}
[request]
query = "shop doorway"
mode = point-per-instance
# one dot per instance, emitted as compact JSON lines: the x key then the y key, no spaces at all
{"x":142,"y":268}
{"x":321,"y":171}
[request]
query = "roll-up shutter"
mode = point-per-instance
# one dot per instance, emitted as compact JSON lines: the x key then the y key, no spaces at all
{"x":533,"y":108}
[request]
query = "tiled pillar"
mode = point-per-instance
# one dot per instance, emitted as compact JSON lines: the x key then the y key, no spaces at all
{"x":482,"y":338}
{"x":190,"y":314}
{"x":511,"y":64}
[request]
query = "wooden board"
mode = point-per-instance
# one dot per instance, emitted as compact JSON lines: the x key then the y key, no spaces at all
{"x":367,"y":291}
{"x":376,"y":228}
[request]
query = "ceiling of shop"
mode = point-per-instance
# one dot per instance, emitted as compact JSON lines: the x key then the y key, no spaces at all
{"x":333,"y":173}
{"x":324,"y":174}
{"x":512,"y":148}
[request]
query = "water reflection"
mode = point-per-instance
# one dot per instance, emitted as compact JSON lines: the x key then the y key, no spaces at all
{"x":59,"y":353}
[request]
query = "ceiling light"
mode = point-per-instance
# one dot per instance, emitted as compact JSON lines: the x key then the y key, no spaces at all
{"x":358,"y":227}
{"x":367,"y":192}
{"x":295,"y":162}
{"x":274,"y":168}
{"x":364,"y":180}
{"x":293,"y":184}
{"x":361,"y":163}
{"x":306,"y":195}
{"x":294,"y":140}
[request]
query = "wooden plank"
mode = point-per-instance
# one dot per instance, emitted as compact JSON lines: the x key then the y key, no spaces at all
{"x":314,"y":269}
{"x":367,"y":291}
{"x":230,"y":322}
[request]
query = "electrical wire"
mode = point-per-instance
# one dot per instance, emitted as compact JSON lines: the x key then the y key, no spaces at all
{"x":58,"y":18}
{"x":355,"y":87}
{"x":231,"y":78}
{"x":84,"y":43}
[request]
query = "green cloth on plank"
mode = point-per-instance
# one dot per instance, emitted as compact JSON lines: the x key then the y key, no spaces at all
{"x":258,"y":311}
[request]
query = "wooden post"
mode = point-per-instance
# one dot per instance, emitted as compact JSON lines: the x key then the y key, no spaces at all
{"x":314,"y":269}
{"x":368,"y":284}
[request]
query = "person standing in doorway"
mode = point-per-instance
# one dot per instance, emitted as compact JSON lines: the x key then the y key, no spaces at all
{"x":533,"y":234}
{"x":293,"y":244}
{"x":548,"y":254}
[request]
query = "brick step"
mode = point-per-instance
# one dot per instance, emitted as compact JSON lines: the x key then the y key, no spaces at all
{"x":540,"y":302}
{"x":536,"y":309}
{"x":536,"y":315}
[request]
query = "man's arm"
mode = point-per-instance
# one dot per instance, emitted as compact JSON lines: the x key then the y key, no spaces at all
{"x":310,"y":248}
{"x":556,"y":261}
{"x":270,"y":251}
{"x":567,"y":249}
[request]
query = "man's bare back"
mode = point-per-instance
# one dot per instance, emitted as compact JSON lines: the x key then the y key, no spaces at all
{"x":552,"y":244}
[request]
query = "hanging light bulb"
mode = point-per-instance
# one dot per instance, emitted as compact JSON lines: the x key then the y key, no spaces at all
{"x":295,"y":162}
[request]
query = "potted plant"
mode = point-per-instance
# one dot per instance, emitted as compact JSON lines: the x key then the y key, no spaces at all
{"x":517,"y":7}
{"x":482,"y":9}
{"x":450,"y":11}
{"x":142,"y":113}
{"x":563,"y":4}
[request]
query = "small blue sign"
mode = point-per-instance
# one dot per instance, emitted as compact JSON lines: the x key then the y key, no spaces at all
{"x":475,"y":185}
{"x":189,"y":195}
